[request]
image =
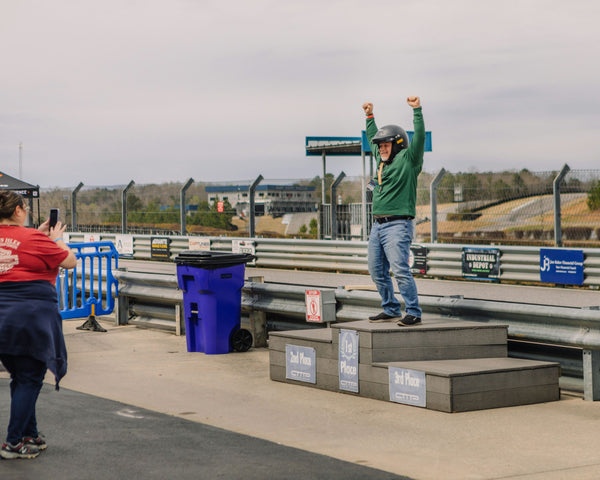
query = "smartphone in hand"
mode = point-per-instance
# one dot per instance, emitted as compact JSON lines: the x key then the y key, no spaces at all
{"x":53,"y":217}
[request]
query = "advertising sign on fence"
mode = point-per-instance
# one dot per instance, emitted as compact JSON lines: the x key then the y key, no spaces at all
{"x":320,"y":305}
{"x":244,"y":246}
{"x":313,"y":306}
{"x":407,"y":386}
{"x":348,"y":360}
{"x":160,"y":248}
{"x":199,"y":243}
{"x":300,"y":363}
{"x":561,"y":266}
{"x":481,"y":263}
{"x":90,"y":238}
{"x":124,"y":245}
{"x":418,"y":260}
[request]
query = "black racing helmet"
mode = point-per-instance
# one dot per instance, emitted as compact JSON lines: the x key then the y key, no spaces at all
{"x":392,"y":133}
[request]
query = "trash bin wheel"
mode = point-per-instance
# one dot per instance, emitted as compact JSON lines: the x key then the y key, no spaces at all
{"x":241,"y":340}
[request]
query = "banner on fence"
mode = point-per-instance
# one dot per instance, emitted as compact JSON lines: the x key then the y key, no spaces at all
{"x":481,"y":263}
{"x":124,"y":245}
{"x":90,"y":238}
{"x":199,"y":243}
{"x":244,"y":246}
{"x":160,"y":248}
{"x":561,"y":266}
{"x":418,"y":260}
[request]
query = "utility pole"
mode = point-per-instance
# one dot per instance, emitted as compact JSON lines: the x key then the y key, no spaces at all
{"x":20,"y":160}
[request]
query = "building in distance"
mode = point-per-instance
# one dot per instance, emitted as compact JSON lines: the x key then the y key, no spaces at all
{"x":275,"y":200}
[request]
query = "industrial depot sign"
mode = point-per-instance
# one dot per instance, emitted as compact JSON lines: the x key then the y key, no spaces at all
{"x":481,"y":263}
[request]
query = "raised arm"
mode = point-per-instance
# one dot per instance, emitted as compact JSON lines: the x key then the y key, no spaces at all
{"x":371,"y":129}
{"x":416,"y":148}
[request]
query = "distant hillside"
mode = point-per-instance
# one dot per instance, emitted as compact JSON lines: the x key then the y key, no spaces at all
{"x":97,"y":203}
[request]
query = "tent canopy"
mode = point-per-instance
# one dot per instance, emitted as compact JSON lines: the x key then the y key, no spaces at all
{"x":19,"y":186}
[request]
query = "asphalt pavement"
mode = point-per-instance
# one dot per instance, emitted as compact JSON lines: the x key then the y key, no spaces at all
{"x":136,"y":404}
{"x":93,"y":438}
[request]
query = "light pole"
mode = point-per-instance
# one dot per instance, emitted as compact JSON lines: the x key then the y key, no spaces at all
{"x":20,"y":160}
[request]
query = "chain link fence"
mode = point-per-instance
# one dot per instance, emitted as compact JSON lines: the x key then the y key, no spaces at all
{"x":518,"y":208}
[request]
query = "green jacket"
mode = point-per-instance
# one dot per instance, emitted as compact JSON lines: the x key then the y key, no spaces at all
{"x":397,"y":194}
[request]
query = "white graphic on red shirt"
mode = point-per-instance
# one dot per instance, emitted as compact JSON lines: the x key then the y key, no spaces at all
{"x":7,"y":260}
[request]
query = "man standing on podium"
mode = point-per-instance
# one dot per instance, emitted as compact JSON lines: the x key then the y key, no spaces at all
{"x":394,"y":209}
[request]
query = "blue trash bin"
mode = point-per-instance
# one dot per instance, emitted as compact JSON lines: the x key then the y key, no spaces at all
{"x":212,"y":299}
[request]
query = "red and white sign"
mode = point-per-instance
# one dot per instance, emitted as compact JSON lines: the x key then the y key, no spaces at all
{"x":313,"y":306}
{"x":220,"y":207}
{"x":90,"y":238}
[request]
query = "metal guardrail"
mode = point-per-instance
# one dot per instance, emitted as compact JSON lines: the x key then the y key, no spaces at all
{"x":517,"y":263}
{"x":153,"y":300}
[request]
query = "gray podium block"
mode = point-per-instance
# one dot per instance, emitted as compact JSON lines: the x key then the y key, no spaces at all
{"x":477,"y":384}
{"x":317,"y":338}
{"x":465,"y":363}
{"x":436,"y":339}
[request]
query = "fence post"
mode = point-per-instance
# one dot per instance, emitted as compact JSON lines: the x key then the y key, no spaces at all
{"x":258,"y":320}
{"x":363,"y":208}
{"x":591,"y":375}
{"x":251,"y":190}
{"x":124,"y":207}
{"x":324,"y":162}
{"x":334,"y":186}
{"x":179,"y":320}
{"x":74,"y":207}
{"x":325,"y":221}
{"x":122,"y":310}
{"x":433,"y":200}
{"x":182,"y":205}
{"x":556,"y":191}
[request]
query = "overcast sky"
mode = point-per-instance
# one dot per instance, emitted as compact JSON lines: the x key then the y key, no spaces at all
{"x":108,"y":91}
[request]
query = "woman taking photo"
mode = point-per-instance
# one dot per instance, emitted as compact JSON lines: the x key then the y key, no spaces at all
{"x":31,"y":338}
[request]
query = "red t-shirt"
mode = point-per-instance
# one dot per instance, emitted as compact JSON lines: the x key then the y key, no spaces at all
{"x":27,"y":254}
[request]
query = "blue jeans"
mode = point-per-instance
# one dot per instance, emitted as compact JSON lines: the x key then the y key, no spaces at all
{"x":27,"y":377}
{"x":389,"y":247}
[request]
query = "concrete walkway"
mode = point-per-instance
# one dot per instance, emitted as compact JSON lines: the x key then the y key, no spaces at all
{"x":150,"y":373}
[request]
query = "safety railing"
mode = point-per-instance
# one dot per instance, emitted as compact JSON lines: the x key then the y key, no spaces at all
{"x":90,"y":288}
{"x":517,"y":264}
{"x":154,"y":300}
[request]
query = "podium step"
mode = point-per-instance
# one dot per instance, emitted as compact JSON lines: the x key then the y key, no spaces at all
{"x":437,"y":338}
{"x":443,"y":364}
{"x":482,"y":383}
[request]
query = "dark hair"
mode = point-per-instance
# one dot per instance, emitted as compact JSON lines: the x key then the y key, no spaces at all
{"x":9,"y":201}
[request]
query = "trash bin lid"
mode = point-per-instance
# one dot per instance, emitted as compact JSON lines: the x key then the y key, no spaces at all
{"x":204,"y":259}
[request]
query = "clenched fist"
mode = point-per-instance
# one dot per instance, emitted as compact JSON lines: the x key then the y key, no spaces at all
{"x":368,"y":108}
{"x":414,"y":102}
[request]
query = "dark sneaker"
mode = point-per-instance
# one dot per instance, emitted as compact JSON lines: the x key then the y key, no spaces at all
{"x":382,"y":317}
{"x":20,"y":450}
{"x":409,"y":320}
{"x":38,"y":442}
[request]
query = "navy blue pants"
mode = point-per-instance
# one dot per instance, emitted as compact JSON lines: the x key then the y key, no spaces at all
{"x":27,"y":377}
